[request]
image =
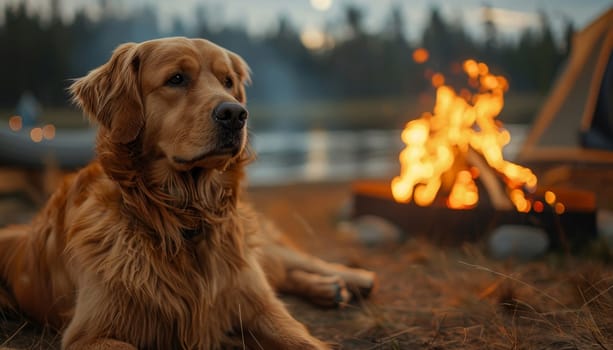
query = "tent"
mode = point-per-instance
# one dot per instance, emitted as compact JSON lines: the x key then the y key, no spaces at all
{"x":575,"y":124}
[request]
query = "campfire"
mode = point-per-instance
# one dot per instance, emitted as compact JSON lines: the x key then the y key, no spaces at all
{"x":443,"y":148}
{"x":455,"y":184}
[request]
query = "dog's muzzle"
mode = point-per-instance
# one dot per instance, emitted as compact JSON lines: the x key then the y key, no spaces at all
{"x":231,"y":119}
{"x":230,"y":116}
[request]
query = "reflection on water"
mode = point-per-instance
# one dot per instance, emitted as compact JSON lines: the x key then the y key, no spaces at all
{"x":323,"y":155}
{"x":316,"y":164}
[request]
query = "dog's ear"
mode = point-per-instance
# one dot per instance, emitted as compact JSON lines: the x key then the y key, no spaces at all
{"x":243,"y":72}
{"x":110,"y":94}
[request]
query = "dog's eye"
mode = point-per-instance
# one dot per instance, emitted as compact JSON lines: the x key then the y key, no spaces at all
{"x":228,"y":83}
{"x":176,"y":80}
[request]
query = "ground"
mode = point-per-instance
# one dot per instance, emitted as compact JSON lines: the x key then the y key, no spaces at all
{"x":429,"y":297}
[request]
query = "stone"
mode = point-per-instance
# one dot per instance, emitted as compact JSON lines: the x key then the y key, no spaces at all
{"x":518,"y":241}
{"x":345,"y":211}
{"x":372,"y":230}
{"x":604,"y":223}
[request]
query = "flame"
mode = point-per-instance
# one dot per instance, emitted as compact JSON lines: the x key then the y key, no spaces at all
{"x":437,"y":144}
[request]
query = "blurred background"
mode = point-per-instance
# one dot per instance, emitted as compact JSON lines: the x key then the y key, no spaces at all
{"x":333,"y":81}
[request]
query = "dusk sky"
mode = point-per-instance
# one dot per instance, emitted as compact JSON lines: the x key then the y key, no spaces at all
{"x":261,"y":16}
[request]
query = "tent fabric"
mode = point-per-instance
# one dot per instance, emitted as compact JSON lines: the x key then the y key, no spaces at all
{"x":600,"y":133}
{"x":566,"y":120}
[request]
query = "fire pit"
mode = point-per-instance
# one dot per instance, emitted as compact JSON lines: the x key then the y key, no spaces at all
{"x":568,"y":230}
{"x":453,"y":156}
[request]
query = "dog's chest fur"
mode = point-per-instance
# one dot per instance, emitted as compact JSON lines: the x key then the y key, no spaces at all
{"x":192,"y":301}
{"x":171,"y":293}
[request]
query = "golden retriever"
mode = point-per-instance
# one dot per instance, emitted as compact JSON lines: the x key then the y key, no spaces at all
{"x":151,"y":245}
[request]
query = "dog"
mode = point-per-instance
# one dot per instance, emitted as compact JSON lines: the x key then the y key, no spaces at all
{"x":152,"y":246}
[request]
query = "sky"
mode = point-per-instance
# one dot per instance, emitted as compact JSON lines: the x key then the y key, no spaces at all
{"x":261,"y":16}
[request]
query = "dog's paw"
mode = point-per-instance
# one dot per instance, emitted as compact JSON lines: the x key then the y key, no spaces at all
{"x":327,"y":291}
{"x":365,"y":285}
{"x":330,"y":291}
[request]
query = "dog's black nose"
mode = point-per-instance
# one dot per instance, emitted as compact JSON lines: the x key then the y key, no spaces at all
{"x":230,"y":115}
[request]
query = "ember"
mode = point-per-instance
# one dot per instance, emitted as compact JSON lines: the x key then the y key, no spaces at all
{"x":438,"y":146}
{"x":420,"y":55}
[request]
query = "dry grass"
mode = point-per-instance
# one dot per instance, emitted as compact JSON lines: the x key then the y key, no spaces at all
{"x":429,"y":297}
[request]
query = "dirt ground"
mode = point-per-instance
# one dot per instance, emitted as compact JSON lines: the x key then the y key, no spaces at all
{"x":428,"y":297}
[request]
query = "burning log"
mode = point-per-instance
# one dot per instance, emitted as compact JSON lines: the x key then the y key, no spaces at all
{"x":496,"y":193}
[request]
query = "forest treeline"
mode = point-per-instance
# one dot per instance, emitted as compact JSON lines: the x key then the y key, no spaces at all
{"x":41,"y":56}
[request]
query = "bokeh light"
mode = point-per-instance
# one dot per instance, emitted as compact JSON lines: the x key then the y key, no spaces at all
{"x":49,"y":132}
{"x":321,"y":5}
{"x":538,"y":206}
{"x":420,"y":55}
{"x":471,"y":67}
{"x":36,"y":134}
{"x":550,"y":197}
{"x":559,"y":208}
{"x":455,"y":67}
{"x":15,"y":123}
{"x":438,"y":80}
{"x":313,"y":39}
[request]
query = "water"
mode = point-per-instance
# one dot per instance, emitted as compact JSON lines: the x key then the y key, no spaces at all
{"x":283,"y":157}
{"x":324,"y":155}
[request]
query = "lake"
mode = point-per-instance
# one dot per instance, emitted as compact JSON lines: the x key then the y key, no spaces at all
{"x":324,"y":155}
{"x":283,"y":156}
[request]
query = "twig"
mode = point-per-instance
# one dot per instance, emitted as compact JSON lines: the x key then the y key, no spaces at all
{"x":388,"y":339}
{"x":15,"y":333}
{"x":240,"y":320}
{"x":438,"y":331}
{"x":395,"y":335}
{"x":483,"y":268}
{"x":597,"y":296}
{"x":596,"y":334}
{"x":490,"y":289}
{"x":307,"y":227}
{"x":255,"y":339}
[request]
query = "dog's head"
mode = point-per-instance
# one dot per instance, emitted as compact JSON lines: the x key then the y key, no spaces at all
{"x":182,"y":99}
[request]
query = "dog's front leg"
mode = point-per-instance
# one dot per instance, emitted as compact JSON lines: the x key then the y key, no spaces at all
{"x":84,"y":332}
{"x":275,"y":328}
{"x":75,"y":337}
{"x":268,"y":323}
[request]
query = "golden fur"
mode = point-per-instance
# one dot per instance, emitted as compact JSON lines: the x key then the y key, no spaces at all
{"x":151,"y":246}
